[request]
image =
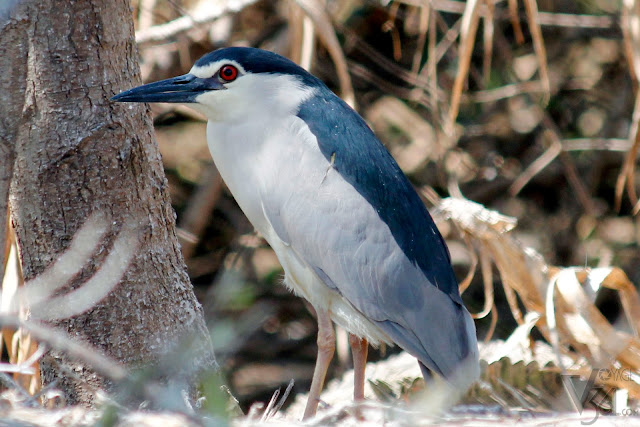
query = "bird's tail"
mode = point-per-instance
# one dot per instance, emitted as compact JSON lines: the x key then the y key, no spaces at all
{"x":467,"y":370}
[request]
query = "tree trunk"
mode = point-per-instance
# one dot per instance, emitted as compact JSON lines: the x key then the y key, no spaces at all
{"x":76,"y":155}
{"x":12,"y":75}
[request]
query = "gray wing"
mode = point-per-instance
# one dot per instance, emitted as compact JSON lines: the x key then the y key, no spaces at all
{"x":341,"y":236}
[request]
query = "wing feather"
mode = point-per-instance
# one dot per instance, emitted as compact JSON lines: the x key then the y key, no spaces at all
{"x":359,"y":225}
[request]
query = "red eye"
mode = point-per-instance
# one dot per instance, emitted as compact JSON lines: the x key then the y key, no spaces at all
{"x":228,"y":73}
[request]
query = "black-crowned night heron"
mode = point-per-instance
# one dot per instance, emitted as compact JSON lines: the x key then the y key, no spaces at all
{"x":352,"y":235}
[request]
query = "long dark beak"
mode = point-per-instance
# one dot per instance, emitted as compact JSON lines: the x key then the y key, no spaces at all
{"x":183,"y":89}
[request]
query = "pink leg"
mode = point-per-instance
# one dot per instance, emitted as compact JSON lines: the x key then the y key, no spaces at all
{"x":326,"y":347}
{"x":359,"y":349}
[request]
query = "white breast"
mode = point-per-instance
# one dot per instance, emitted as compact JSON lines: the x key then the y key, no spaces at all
{"x":253,"y":157}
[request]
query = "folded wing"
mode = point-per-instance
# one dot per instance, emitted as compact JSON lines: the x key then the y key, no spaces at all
{"x":358,"y":223}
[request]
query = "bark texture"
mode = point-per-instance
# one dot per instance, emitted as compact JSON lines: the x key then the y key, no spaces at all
{"x":12,"y":75}
{"x":77,"y":153}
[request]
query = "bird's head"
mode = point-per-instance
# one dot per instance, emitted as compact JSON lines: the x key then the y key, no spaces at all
{"x":232,"y":84}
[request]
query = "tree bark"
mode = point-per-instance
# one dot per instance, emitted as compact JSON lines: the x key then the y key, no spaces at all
{"x":12,"y":75}
{"x":78,"y":154}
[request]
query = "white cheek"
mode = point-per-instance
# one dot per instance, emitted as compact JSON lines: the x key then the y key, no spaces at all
{"x":202,"y":109}
{"x":206,"y":104}
{"x":220,"y":105}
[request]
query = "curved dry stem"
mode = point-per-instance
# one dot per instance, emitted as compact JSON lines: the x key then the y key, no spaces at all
{"x":468,"y":31}
{"x":318,"y":14}
{"x":515,"y":21}
{"x":536,"y":167}
{"x":538,"y":46}
{"x":493,"y":324}
{"x":425,"y":18}
{"x":487,"y":280}
{"x":464,"y":284}
{"x":626,"y":176}
{"x":554,"y":339}
{"x":488,"y":27}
